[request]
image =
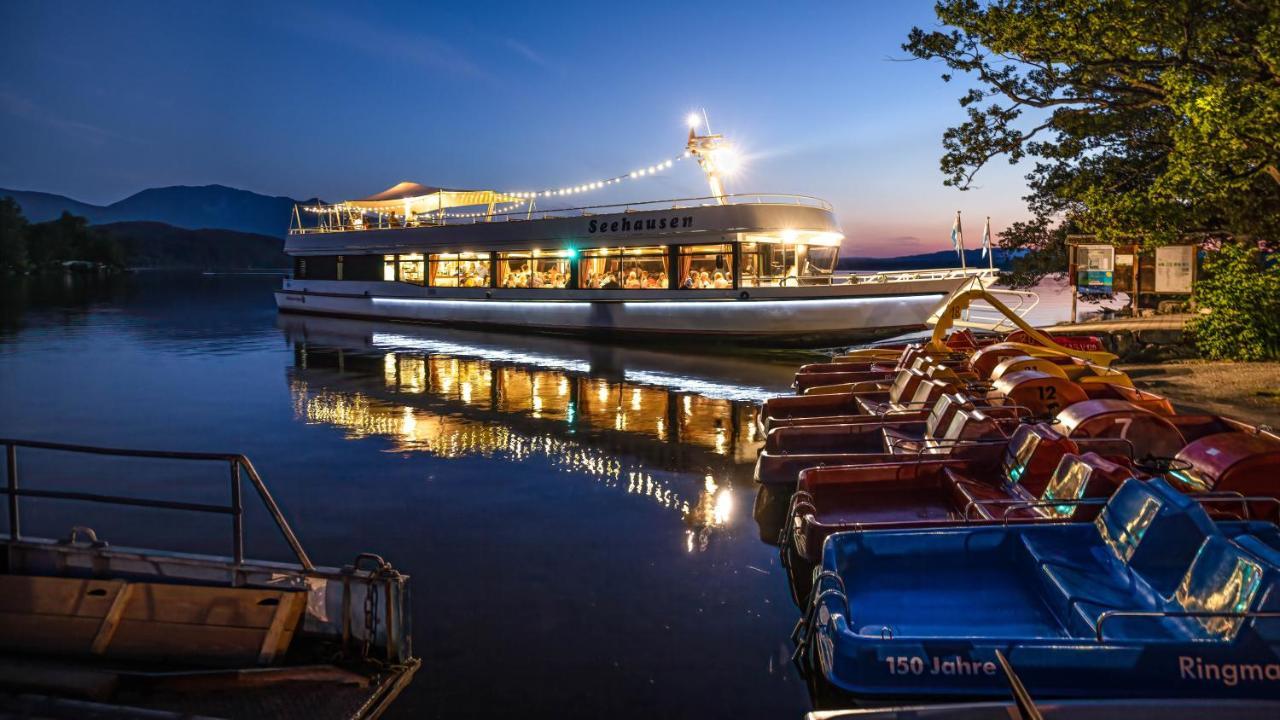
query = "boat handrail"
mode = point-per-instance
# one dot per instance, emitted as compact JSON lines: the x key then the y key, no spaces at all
{"x":1160,"y":614}
{"x":953,"y":312}
{"x":238,"y":465}
{"x":438,"y":219}
{"x":854,"y":277}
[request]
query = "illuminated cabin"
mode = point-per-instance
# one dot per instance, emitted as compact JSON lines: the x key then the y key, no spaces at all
{"x":759,"y":269}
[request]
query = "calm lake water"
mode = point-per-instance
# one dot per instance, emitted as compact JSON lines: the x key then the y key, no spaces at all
{"x":576,"y":518}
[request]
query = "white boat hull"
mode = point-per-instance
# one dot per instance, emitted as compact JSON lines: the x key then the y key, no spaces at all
{"x":806,"y":316}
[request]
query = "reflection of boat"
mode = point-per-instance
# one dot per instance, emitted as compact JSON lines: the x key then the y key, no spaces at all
{"x":154,"y":631}
{"x":755,"y":268}
{"x":1153,"y":592}
{"x":455,"y":394}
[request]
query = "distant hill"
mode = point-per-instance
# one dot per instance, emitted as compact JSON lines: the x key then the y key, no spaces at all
{"x":153,"y":244}
{"x":182,"y":206}
{"x":940,"y":259}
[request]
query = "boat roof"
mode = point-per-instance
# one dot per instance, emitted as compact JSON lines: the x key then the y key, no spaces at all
{"x":692,"y":220}
{"x":413,"y":197}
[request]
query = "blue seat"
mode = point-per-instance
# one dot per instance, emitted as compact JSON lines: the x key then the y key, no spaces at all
{"x":1142,"y":543}
{"x":1154,"y":530}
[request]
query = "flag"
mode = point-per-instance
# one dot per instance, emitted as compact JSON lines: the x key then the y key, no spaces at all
{"x":957,"y":236}
{"x":986,"y":238}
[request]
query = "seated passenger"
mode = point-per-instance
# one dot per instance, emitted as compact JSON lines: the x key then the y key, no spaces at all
{"x":691,"y":282}
{"x":633,"y":281}
{"x":719,"y":282}
{"x":610,"y":283}
{"x":704,"y":280}
{"x":536,"y":280}
{"x":662,"y":281}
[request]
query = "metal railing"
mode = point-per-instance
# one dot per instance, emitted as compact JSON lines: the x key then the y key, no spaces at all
{"x":437,"y":219}
{"x":853,"y":277}
{"x":236,"y":464}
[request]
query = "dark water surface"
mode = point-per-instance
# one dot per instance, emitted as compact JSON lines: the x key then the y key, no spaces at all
{"x":576,"y":518}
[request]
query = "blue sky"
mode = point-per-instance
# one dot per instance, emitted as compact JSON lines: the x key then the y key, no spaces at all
{"x":100,"y":100}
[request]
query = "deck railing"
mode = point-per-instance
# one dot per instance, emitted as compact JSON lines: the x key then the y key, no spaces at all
{"x":341,"y":218}
{"x":238,"y":466}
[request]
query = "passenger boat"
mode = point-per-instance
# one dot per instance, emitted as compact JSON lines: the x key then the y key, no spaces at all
{"x":92,"y":629}
{"x":738,"y":268}
{"x":1152,"y":599}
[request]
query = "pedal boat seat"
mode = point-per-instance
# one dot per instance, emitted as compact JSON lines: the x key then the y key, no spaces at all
{"x":1042,"y":394}
{"x":1148,"y":433}
{"x":950,"y":427}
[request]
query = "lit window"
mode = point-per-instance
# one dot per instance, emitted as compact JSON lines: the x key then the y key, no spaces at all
{"x":411,"y":269}
{"x":706,"y":267}
{"x":460,"y":270}
{"x":639,"y":268}
{"x":535,"y":269}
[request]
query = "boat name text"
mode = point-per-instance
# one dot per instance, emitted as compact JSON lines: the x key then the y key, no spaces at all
{"x":955,"y":665}
{"x":627,"y":225}
{"x":1229,"y":674}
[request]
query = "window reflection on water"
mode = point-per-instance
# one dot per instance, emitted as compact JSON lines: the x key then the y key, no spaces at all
{"x":624,"y":435}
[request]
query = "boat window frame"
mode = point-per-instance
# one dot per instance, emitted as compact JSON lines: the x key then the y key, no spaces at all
{"x":700,"y":250}
{"x":482,"y":259}
{"x":417,"y":258}
{"x":654,"y":252}
{"x":562,"y":258}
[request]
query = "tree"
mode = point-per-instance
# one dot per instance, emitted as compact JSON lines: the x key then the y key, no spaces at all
{"x":1144,"y":119}
{"x":13,"y":236}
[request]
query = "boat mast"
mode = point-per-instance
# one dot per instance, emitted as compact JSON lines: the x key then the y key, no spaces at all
{"x":716,"y":156}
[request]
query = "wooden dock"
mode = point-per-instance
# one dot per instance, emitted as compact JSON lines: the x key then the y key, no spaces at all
{"x":1173,"y":323}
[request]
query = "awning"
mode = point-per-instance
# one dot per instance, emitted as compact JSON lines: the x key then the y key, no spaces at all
{"x":416,"y":198}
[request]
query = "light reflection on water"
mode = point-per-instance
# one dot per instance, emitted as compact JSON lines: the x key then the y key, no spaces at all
{"x":453,"y":400}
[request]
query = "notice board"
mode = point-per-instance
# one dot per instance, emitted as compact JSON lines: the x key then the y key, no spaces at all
{"x":1095,"y":269}
{"x":1175,"y":269}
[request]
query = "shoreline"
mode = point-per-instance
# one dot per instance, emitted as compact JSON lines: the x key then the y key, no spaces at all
{"x":1247,"y":391}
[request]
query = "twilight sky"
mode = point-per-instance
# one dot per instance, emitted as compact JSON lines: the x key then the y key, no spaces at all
{"x":101,"y":99}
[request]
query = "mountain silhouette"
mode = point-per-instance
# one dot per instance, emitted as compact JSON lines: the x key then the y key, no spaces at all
{"x":184,"y":206}
{"x":926,"y":261}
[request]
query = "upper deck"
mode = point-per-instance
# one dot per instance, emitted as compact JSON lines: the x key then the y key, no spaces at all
{"x":784,"y":218}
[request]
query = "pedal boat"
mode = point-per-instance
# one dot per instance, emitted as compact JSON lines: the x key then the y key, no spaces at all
{"x":1234,"y":468}
{"x":1145,"y":420}
{"x":1152,"y":599}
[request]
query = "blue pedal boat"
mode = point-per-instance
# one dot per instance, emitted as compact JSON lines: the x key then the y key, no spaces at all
{"x":1152,"y":599}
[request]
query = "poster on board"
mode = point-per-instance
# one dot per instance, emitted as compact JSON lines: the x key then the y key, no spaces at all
{"x":1095,"y":269}
{"x":1175,"y":269}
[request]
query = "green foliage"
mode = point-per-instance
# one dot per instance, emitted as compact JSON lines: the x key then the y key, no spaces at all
{"x":1146,"y":118}
{"x":24,"y":246}
{"x":13,"y":236}
{"x":1241,"y":288}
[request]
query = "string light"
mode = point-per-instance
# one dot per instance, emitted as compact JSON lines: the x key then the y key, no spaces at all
{"x":522,"y":196}
{"x":598,"y":184}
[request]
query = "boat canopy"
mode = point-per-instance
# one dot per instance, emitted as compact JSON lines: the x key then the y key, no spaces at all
{"x":413,"y":198}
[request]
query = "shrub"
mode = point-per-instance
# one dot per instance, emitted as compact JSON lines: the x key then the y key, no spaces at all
{"x":1240,"y":286}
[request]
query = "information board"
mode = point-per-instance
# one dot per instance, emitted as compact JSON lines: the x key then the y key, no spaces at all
{"x":1095,"y":269}
{"x":1175,"y":269}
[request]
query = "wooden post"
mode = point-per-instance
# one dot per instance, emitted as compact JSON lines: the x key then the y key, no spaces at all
{"x":11,"y":455}
{"x":1133,"y":300}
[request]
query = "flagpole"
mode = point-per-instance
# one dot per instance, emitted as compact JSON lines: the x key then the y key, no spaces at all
{"x":960,"y":239}
{"x":991,"y":250}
